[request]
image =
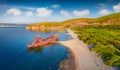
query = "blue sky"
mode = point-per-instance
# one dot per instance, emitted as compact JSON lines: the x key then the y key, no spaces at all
{"x":29,"y":11}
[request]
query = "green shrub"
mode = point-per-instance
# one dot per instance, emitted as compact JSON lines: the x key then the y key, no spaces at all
{"x":104,"y":38}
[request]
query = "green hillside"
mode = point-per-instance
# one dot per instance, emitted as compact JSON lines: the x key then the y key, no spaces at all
{"x":112,"y":19}
{"x":105,"y":41}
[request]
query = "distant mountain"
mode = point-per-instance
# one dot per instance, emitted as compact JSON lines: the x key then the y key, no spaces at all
{"x":12,"y":25}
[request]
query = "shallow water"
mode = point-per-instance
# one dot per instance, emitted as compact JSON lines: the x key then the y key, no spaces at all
{"x":14,"y":54}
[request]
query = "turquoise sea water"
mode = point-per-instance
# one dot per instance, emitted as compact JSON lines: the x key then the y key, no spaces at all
{"x":15,"y":55}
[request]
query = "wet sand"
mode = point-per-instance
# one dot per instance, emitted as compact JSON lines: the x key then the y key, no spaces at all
{"x":69,"y":63}
{"x":83,"y":57}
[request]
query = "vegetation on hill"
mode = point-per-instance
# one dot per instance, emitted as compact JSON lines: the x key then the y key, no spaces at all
{"x":112,"y":19}
{"x":106,"y":41}
{"x":46,"y":24}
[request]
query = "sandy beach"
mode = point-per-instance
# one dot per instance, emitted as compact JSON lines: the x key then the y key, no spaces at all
{"x":84,"y":59}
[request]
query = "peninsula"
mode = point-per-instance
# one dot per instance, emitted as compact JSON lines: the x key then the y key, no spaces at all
{"x":102,"y":33}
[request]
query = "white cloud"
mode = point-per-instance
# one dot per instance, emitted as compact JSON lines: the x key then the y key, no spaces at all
{"x":43,"y":12}
{"x":14,"y":12}
{"x":29,"y":13}
{"x":23,"y":7}
{"x":103,"y":12}
{"x":55,"y":6}
{"x":20,"y":7}
{"x":117,"y":8}
{"x":65,"y":13}
{"x":82,"y":13}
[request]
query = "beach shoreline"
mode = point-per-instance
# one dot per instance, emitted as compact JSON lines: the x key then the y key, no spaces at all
{"x":69,"y":63}
{"x":83,"y":58}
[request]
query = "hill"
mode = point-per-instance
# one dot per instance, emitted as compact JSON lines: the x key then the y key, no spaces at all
{"x":112,"y":19}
